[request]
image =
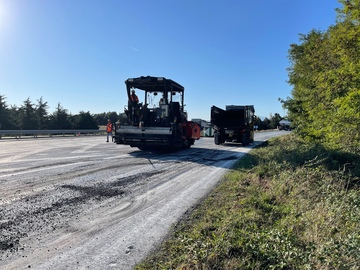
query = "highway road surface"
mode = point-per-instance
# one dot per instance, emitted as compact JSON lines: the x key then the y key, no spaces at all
{"x":82,"y":203}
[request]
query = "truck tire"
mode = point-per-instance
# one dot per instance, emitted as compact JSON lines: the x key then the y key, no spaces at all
{"x":217,"y":138}
{"x":245,"y":139}
{"x":186,"y":144}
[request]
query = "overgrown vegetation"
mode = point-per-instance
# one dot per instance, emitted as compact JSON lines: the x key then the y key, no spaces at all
{"x":325,"y":75}
{"x":289,"y":205}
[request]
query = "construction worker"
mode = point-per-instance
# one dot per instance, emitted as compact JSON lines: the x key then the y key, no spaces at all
{"x":134,"y":106}
{"x":109,"y":128}
{"x":133,"y":97}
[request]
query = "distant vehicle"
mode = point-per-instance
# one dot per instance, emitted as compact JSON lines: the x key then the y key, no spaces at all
{"x":235,"y":124}
{"x":284,"y":125}
{"x":160,"y":122}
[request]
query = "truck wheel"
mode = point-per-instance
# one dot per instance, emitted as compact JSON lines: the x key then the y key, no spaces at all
{"x":217,"y":138}
{"x":187,"y":144}
{"x":245,"y":139}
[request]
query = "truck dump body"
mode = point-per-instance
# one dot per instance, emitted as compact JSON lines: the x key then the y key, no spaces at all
{"x":235,"y":124}
{"x":159,"y":121}
{"x":233,"y":118}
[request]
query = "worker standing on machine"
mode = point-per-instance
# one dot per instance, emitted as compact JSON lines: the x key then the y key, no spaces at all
{"x":109,"y":128}
{"x":134,"y":98}
{"x":134,"y":106}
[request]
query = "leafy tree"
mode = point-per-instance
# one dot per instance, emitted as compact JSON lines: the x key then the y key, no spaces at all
{"x":325,"y":75}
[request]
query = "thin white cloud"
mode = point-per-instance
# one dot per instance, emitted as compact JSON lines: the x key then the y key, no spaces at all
{"x":134,"y":49}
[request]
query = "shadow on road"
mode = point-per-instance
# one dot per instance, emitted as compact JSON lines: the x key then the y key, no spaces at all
{"x":204,"y":156}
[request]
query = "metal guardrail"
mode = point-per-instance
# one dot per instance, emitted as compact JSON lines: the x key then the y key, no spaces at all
{"x":36,"y":133}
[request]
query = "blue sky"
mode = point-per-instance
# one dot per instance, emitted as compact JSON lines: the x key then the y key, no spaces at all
{"x":224,"y":52}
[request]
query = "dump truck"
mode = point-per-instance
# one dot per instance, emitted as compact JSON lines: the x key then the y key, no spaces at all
{"x":234,"y":124}
{"x":158,"y":121}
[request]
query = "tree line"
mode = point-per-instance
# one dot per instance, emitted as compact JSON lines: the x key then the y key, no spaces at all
{"x":36,"y":116}
{"x":325,"y":75}
{"x":268,"y":123}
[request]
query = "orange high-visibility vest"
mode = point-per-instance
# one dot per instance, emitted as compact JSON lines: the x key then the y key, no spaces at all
{"x":134,"y":98}
{"x":109,"y":127}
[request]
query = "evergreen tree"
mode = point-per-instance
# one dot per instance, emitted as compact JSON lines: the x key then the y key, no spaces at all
{"x":102,"y":118}
{"x":42,"y":114}
{"x":266,"y":123}
{"x":28,"y":115}
{"x":4,"y":113}
{"x":260,"y":124}
{"x":60,"y":119}
{"x":274,"y":121}
{"x":86,"y":121}
{"x":15,"y":120}
{"x":113,"y":116}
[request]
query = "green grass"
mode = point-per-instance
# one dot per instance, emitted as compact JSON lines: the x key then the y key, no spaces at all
{"x":286,"y":205}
